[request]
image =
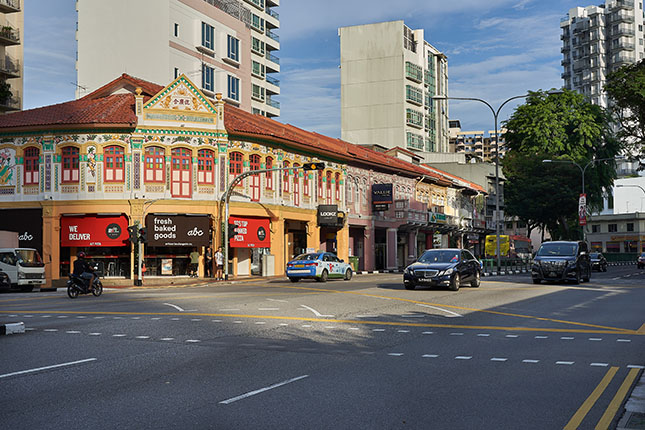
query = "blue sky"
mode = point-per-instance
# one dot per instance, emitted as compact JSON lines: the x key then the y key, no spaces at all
{"x":496,"y":49}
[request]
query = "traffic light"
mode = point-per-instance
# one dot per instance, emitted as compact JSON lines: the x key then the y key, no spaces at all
{"x":314,"y":166}
{"x":143,"y":235}
{"x":231,"y":230}
{"x":132,"y":231}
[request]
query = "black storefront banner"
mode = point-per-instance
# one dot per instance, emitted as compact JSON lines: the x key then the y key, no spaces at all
{"x":382,"y":196}
{"x":328,"y":215}
{"x":28,"y":223}
{"x":178,"y":230}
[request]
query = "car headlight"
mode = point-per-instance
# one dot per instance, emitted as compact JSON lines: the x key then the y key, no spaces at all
{"x":21,"y":275}
{"x":447,"y":272}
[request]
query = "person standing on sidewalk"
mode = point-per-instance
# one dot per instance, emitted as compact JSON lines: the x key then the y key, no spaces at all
{"x":194,"y":263}
{"x":219,"y":262}
{"x":208,"y":258}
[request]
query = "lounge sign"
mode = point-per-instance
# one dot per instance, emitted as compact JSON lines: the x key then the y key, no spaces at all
{"x":382,"y":195}
{"x":178,"y":230}
{"x":328,"y":215}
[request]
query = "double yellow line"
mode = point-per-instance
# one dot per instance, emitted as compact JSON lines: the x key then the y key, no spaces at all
{"x":615,"y":403}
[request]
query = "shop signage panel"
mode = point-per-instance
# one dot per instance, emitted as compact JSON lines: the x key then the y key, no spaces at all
{"x":178,"y":230}
{"x":251,"y":232}
{"x":582,"y":209}
{"x":328,"y":215}
{"x":382,"y":194}
{"x":438,"y":218}
{"x":28,"y":223}
{"x":94,"y":230}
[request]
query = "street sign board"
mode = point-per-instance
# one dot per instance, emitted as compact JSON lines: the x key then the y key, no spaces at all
{"x":582,"y":209}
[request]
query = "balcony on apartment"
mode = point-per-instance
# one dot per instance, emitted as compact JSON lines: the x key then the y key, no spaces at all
{"x":9,"y":6}
{"x":273,"y":63}
{"x":273,"y":18}
{"x":272,"y":39}
{"x":272,"y":107}
{"x":9,"y":35}
{"x":621,"y":16}
{"x":9,"y":67}
{"x":273,"y":85}
{"x":623,"y":4}
{"x":9,"y":101}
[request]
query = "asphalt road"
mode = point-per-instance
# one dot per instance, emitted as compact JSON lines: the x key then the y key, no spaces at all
{"x":363,"y":354}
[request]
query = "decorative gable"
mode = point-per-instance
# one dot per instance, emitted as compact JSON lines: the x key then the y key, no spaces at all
{"x":180,"y":95}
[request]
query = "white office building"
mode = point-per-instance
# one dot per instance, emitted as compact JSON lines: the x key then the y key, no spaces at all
{"x":389,"y":75}
{"x":597,"y":40}
{"x":225,"y":46}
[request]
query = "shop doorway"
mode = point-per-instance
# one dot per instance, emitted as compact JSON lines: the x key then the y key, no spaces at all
{"x":380,"y":249}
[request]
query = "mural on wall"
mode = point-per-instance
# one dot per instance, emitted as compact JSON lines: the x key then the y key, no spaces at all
{"x":91,"y":165}
{"x":7,"y":164}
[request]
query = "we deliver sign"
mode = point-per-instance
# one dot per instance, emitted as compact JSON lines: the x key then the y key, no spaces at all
{"x":94,"y":230}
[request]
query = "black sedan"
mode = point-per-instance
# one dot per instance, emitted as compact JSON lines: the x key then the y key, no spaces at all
{"x":598,"y":261}
{"x":443,"y":267}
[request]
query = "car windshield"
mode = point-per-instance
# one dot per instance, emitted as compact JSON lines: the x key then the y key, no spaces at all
{"x":557,"y":249}
{"x":29,"y":258}
{"x":306,"y":257}
{"x":439,"y":256}
{"x":594,"y":255}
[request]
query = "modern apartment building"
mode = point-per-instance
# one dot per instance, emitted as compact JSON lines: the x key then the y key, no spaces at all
{"x":226,"y":46}
{"x":597,"y":40}
{"x":389,"y":75}
{"x":474,"y":144}
{"x":11,"y":55}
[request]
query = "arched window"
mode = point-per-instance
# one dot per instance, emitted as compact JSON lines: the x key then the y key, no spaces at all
{"x":154,"y":165}
{"x":254,"y":163}
{"x":70,"y":164}
{"x":296,"y":185}
{"x":181,"y":176}
{"x":31,"y":165}
{"x":269,"y":165}
{"x":235,"y":161}
{"x":328,"y":188}
{"x":205,"y":167}
{"x":285,"y":178}
{"x":337,"y":183}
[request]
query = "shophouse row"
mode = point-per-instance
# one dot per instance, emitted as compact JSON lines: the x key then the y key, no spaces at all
{"x":74,"y":176}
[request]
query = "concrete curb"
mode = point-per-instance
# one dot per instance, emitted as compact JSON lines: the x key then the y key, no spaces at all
{"x":634,"y":416}
{"x":12,"y":328}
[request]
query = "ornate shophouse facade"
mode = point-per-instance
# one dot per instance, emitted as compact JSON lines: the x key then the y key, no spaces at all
{"x":74,"y":176}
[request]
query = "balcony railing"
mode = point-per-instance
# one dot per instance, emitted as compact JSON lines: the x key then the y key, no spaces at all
{"x":9,"y":66}
{"x":9,"y":6}
{"x":273,"y":81}
{"x":273,"y":103}
{"x":10,"y":34}
{"x":273,"y":13}
{"x":272,"y":57}
{"x":272,"y":35}
{"x":234,"y":8}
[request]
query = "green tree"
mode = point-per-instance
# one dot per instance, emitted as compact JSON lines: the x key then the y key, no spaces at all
{"x":562,"y":127}
{"x":626,"y":89}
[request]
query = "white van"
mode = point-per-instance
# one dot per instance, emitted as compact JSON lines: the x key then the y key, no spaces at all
{"x":24,"y":267}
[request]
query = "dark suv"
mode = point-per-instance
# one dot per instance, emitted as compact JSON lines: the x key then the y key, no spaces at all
{"x":562,"y":261}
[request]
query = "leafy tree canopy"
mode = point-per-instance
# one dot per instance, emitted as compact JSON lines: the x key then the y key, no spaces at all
{"x":626,"y":89}
{"x":571,"y":131}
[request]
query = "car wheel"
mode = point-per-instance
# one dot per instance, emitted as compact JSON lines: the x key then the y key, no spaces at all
{"x":477,"y":281}
{"x":294,"y":279}
{"x":348,"y":274}
{"x":409,"y":285}
{"x":604,"y":268}
{"x":323,"y":276}
{"x":27,"y":289}
{"x":577,"y":278}
{"x":537,"y":281}
{"x":455,"y":282}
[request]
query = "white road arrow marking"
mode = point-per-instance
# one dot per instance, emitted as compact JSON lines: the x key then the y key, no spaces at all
{"x":318,"y":314}
{"x":451,"y":314}
{"x":174,"y":306}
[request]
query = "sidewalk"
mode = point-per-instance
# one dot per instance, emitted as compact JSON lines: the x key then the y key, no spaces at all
{"x":634,"y":416}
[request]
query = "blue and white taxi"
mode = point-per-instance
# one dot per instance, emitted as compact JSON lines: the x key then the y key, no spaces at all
{"x":319,"y":266}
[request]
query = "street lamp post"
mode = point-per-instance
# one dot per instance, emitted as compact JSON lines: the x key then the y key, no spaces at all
{"x":495,"y":117}
{"x":582,"y":172}
{"x":632,"y":186}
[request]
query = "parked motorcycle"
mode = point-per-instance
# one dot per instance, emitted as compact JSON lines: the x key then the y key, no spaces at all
{"x":76,"y":286}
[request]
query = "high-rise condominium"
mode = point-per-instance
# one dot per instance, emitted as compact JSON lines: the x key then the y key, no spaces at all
{"x":223,"y":46}
{"x":11,"y":66}
{"x":389,"y":75}
{"x":597,"y":40}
